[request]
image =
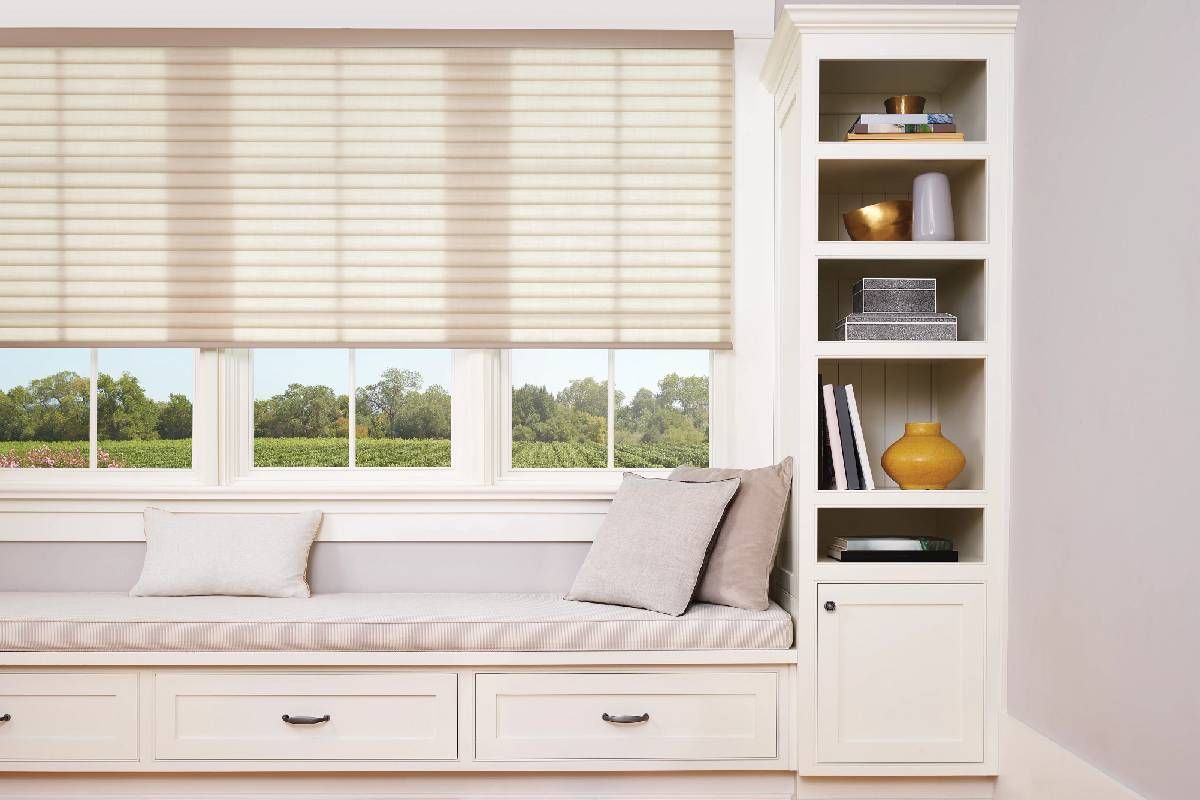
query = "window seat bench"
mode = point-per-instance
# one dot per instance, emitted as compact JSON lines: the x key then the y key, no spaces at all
{"x":409,"y":622}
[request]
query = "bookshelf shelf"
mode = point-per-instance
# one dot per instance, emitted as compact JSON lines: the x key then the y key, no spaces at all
{"x":963,"y":251}
{"x":828,"y":66}
{"x":902,"y":151}
{"x":898,"y":498}
{"x":902,"y":350}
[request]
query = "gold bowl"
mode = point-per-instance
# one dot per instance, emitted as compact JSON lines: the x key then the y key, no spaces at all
{"x":889,"y":221}
{"x":904,"y":104}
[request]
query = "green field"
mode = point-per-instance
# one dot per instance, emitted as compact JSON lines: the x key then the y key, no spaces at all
{"x":549,"y":455}
{"x":334,"y":452}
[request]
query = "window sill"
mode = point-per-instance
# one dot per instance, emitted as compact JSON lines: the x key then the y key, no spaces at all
{"x":515,"y":491}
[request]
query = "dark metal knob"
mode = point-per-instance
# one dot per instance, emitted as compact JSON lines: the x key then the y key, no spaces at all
{"x":830,"y":605}
{"x":290,"y":720}
{"x":625,"y":719}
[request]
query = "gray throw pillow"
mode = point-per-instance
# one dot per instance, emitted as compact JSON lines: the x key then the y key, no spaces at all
{"x":739,"y":568}
{"x":261,"y":555}
{"x":650,"y":549}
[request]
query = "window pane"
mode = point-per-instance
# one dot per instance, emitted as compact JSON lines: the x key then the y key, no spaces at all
{"x":301,"y":408}
{"x":44,"y":407}
{"x":402,"y":408}
{"x":144,"y":408}
{"x":559,"y":408}
{"x":662,"y":408}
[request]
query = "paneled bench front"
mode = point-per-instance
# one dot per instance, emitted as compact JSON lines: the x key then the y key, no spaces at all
{"x":487,"y":682}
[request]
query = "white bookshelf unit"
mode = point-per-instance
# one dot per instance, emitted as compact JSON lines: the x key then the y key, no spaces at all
{"x":900,"y":664}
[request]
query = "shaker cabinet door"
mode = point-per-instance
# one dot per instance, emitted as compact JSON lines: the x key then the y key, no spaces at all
{"x":900,"y":673}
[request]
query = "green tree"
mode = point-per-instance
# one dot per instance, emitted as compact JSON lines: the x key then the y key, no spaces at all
{"x":381,"y":404}
{"x":58,"y":407}
{"x":124,"y":412}
{"x":532,"y":406}
{"x":587,"y":395}
{"x":301,"y":411}
{"x":175,"y":417}
{"x":424,"y":415}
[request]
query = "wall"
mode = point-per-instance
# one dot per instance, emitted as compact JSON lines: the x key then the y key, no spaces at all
{"x":1104,"y":627}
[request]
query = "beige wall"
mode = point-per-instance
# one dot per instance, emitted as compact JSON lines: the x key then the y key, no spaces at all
{"x":1104,"y":654}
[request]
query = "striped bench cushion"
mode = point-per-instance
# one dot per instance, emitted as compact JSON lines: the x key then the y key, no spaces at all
{"x":90,"y":621}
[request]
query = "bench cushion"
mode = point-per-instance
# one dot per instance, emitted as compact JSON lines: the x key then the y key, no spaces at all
{"x":91,"y":621}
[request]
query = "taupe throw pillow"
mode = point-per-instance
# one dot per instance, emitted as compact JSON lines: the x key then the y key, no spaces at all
{"x":650,"y":549}
{"x":262,"y":555}
{"x":739,"y":569}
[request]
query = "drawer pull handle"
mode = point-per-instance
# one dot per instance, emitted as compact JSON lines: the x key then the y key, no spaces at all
{"x":6,"y":718}
{"x":625,"y":719}
{"x":290,"y":720}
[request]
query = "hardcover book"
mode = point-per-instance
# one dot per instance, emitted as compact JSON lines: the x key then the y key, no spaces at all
{"x":905,"y":119}
{"x":858,"y":127}
{"x":825,"y":476}
{"x":835,"y":437}
{"x":860,"y":441}
{"x":846,"y":431}
{"x":876,"y":556}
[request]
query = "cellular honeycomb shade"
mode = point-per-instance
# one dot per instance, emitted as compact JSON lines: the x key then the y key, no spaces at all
{"x":365,"y":195}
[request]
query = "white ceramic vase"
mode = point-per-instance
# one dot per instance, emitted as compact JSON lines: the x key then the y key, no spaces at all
{"x":933,"y":215}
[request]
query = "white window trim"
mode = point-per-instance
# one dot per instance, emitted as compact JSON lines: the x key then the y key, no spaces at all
{"x":203,"y":472}
{"x":469,"y":369}
{"x":605,"y":478}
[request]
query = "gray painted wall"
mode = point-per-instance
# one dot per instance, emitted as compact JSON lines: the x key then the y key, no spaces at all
{"x":335,"y":566}
{"x":1104,"y":652}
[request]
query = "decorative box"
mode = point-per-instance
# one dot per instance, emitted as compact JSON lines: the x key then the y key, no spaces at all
{"x":880,"y":326}
{"x":895,"y":295}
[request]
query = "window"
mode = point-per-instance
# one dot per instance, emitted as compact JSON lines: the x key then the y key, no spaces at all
{"x":624,"y":409}
{"x":142,"y":401}
{"x":401,"y":416}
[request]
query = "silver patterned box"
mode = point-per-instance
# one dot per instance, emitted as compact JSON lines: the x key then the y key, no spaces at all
{"x":895,"y":296}
{"x":881,"y":326}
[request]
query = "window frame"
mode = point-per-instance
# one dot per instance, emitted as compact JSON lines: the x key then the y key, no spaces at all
{"x":203,"y":468}
{"x":481,"y":447}
{"x":607,"y":477}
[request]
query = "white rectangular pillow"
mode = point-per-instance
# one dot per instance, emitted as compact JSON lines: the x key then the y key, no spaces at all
{"x":260,"y":555}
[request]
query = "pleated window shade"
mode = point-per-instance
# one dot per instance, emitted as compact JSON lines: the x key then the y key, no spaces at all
{"x":384,"y":196}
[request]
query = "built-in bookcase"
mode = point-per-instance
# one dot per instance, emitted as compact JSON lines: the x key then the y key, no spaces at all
{"x":829,"y":64}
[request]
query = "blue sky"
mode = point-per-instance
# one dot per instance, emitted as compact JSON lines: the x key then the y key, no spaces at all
{"x":163,"y":371}
{"x":160,"y":371}
{"x":634,"y":369}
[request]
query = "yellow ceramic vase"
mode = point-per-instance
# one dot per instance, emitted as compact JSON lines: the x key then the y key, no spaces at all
{"x":922,"y":458}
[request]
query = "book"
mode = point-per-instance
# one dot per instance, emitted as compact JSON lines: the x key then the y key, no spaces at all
{"x":890,"y":543}
{"x":860,"y":441}
{"x":860,"y":556}
{"x":905,"y":119}
{"x":825,"y":478}
{"x":846,"y":431}
{"x":835,"y":438}
{"x":905,"y":137}
{"x":899,"y":128}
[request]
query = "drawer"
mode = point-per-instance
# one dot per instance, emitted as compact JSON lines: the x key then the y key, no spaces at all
{"x":63,"y":716}
{"x":363,"y":716}
{"x":685,"y":716}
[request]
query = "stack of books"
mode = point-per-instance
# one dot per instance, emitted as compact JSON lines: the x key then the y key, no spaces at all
{"x":892,"y":548}
{"x":842,"y":456}
{"x":903,"y":127}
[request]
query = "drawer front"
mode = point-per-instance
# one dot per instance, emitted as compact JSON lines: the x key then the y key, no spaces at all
{"x":239,"y":716}
{"x":683,"y":716}
{"x":68,"y":717}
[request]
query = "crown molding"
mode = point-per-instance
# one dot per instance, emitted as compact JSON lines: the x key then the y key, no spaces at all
{"x":795,"y":20}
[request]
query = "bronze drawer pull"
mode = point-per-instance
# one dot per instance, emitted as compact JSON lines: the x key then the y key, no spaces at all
{"x":625,"y":719}
{"x":290,"y":720}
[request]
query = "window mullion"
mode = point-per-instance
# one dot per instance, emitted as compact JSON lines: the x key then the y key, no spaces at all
{"x":350,"y":411}
{"x":612,"y":411}
{"x":93,"y":408}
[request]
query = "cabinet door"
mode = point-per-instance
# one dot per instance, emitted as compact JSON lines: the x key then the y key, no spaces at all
{"x":900,"y":673}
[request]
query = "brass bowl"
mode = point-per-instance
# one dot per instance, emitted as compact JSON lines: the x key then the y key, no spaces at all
{"x":889,"y":221}
{"x":904,"y":104}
